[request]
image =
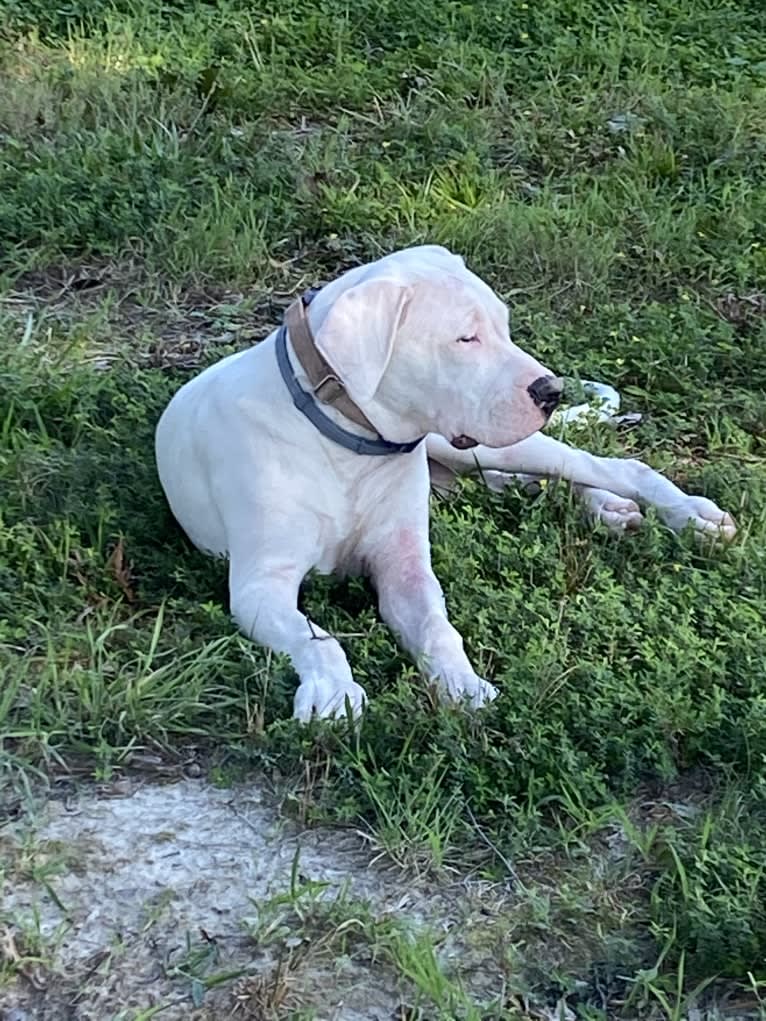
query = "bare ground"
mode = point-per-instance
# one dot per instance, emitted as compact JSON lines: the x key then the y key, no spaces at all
{"x":203,"y":901}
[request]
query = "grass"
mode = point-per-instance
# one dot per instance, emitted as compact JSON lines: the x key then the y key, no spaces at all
{"x":169,"y":176}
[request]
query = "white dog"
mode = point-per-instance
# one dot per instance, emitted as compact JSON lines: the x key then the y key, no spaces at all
{"x":312,"y":449}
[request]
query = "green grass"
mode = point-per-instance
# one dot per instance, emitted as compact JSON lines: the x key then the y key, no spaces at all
{"x":169,"y":175}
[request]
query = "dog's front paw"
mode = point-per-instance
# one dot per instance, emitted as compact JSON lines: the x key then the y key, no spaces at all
{"x":708,"y":520}
{"x":616,"y":512}
{"x":464,"y":687}
{"x":619,"y":515}
{"x":326,"y":699}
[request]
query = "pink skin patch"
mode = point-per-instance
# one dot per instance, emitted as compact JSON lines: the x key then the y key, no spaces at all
{"x":407,"y":559}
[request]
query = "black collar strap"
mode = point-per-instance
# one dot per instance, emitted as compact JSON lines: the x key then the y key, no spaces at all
{"x":306,"y":403}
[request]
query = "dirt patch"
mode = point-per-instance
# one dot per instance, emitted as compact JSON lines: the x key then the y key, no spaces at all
{"x":112,"y":313}
{"x":202,"y":901}
{"x":742,"y":311}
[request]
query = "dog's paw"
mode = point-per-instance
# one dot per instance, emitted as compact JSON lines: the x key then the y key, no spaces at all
{"x":327,"y":699}
{"x":464,"y":687}
{"x":499,"y":481}
{"x":616,"y":512}
{"x":707,"y":520}
{"x":620,"y":515}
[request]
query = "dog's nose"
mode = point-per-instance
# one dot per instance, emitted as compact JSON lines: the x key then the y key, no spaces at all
{"x":546,"y":392}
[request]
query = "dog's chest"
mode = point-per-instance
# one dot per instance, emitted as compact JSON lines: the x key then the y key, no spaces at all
{"x":360,"y":510}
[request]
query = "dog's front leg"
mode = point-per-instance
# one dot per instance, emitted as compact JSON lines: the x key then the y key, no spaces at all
{"x":412,"y":604}
{"x":264,"y":602}
{"x":627,"y":478}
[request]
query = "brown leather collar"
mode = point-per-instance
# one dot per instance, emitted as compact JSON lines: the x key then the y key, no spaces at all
{"x":324,"y":383}
{"x":326,"y":388}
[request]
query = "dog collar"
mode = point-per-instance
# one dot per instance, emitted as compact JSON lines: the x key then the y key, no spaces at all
{"x":326,"y":387}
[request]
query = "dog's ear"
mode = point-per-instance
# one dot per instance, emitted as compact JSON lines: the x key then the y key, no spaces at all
{"x":357,"y":337}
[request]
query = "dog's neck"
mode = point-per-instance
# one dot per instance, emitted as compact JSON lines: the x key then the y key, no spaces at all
{"x":320,"y":394}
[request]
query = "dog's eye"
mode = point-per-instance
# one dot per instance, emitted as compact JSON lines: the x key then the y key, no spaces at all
{"x":468,"y":340}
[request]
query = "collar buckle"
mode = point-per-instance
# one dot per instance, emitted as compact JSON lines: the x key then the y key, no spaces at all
{"x":328,"y":389}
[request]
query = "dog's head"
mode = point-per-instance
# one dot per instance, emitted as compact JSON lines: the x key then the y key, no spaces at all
{"x":423,"y":345}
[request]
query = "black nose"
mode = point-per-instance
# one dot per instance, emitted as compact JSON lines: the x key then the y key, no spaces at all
{"x":546,"y":392}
